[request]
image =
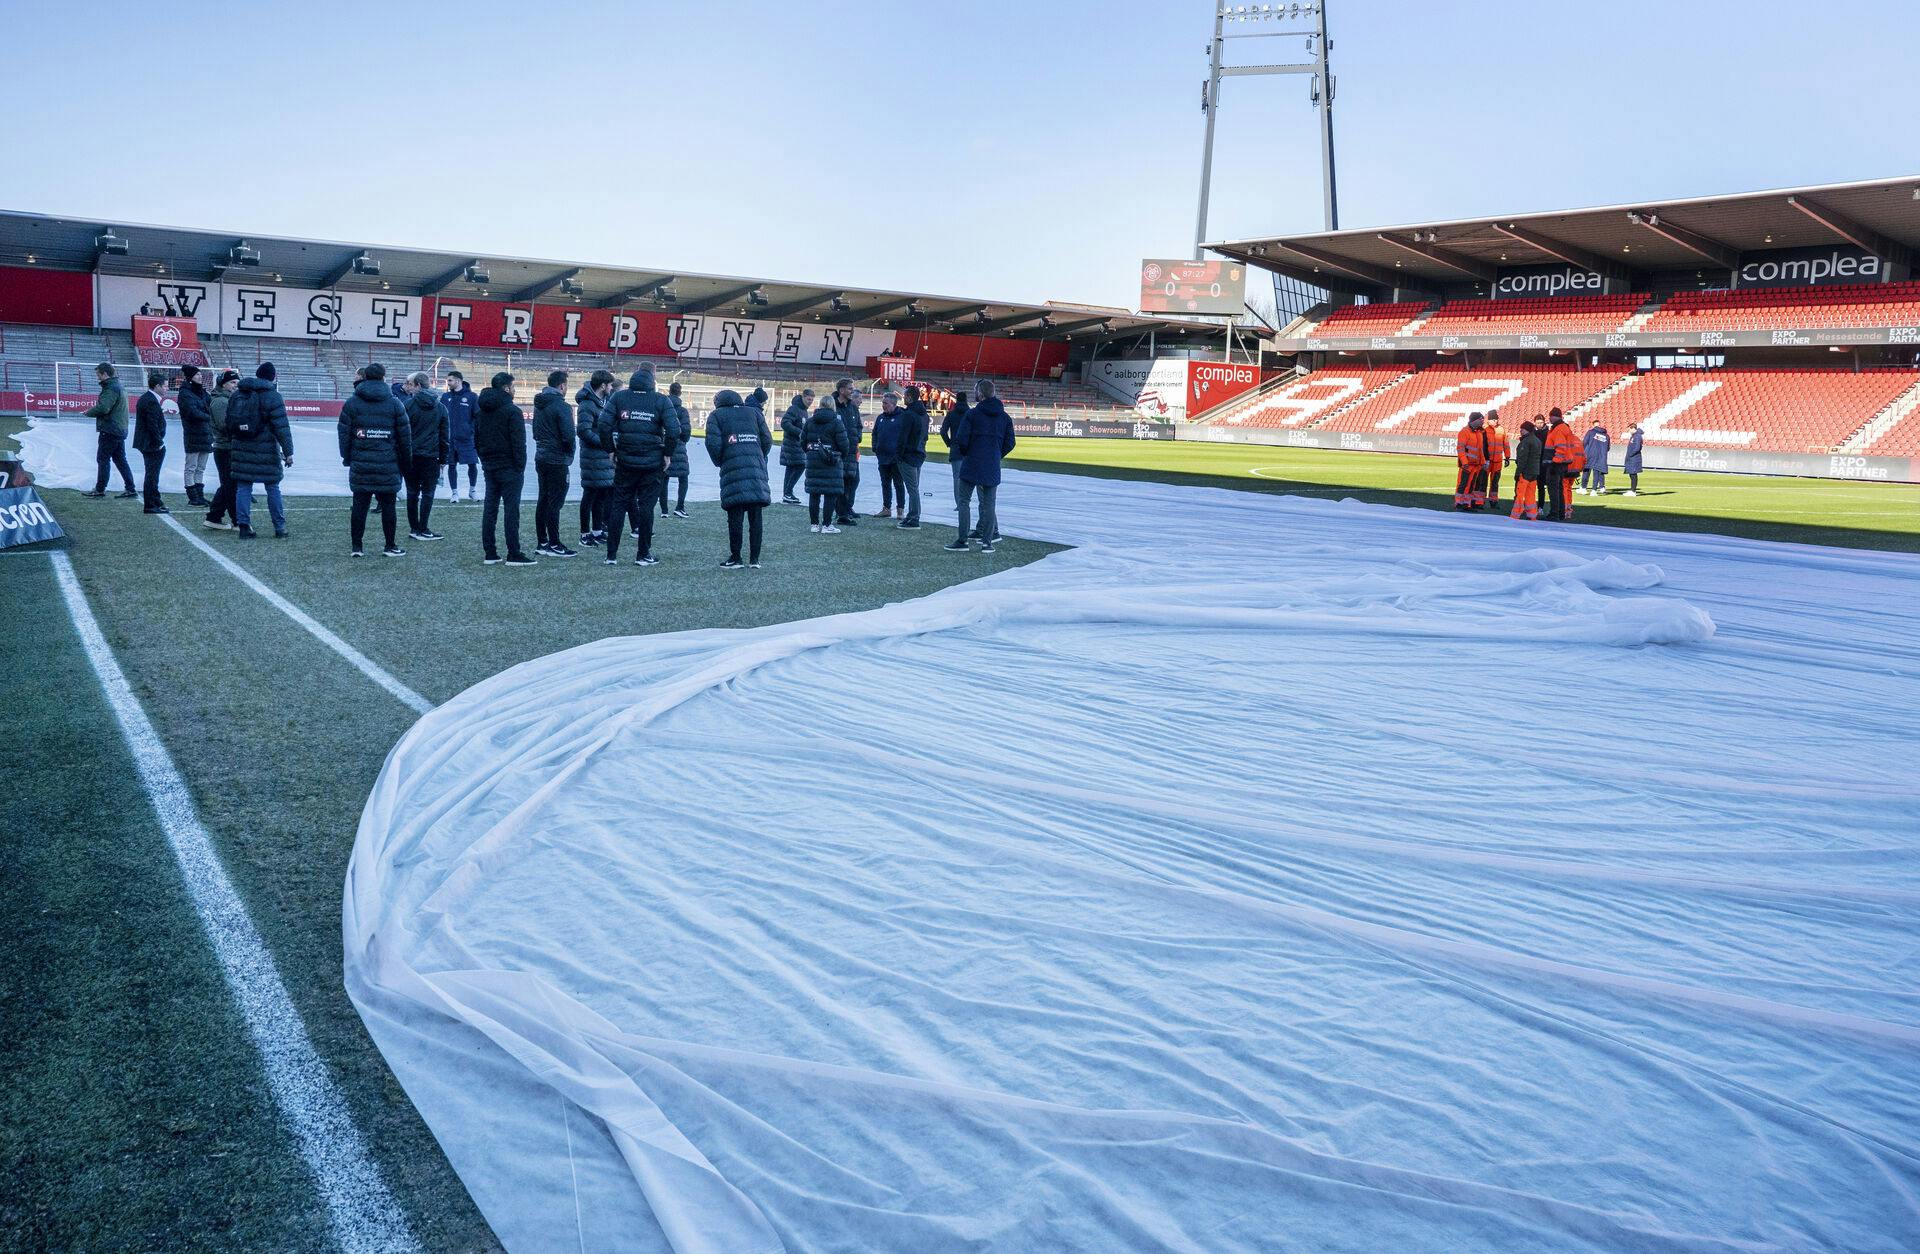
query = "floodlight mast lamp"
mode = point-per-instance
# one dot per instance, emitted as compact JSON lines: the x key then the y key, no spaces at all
{"x":1318,"y":46}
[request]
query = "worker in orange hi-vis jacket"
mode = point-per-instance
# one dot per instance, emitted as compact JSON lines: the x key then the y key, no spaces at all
{"x":1527,"y":456}
{"x":1564,"y":459}
{"x":1470,"y":456}
{"x":1499,"y":453}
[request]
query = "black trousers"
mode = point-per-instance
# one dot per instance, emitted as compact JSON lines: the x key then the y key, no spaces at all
{"x":750,"y":515}
{"x":1493,"y":486}
{"x":112,"y":452}
{"x":820,"y":509}
{"x":1555,"y":482}
{"x":891,"y":487}
{"x":792,"y":477}
{"x":546,"y":512}
{"x":423,"y":479}
{"x":502,"y":495}
{"x":222,"y":503}
{"x":593,"y":509}
{"x":361,"y":500}
{"x":634,"y":492}
{"x":150,"y":477}
{"x":846,"y":497}
{"x":666,"y":483}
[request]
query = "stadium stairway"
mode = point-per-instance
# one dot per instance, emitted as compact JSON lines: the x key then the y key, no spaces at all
{"x":1291,"y":403}
{"x":1880,"y":434}
{"x":1599,"y":398}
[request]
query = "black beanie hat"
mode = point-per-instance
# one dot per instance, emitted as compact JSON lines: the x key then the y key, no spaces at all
{"x":226,"y":377}
{"x":265,"y":371}
{"x":188,"y":372}
{"x":673,"y":389}
{"x":759,"y":396}
{"x":502,"y":379}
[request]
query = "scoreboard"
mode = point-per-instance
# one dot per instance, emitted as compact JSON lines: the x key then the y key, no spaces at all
{"x":1192,"y":287}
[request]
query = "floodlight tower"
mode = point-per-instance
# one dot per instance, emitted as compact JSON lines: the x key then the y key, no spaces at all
{"x":1301,"y":19}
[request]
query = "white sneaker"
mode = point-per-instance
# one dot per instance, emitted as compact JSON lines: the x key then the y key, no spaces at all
{"x":829,"y":529}
{"x":814,"y":527}
{"x":473,"y":493}
{"x":1631,"y":492}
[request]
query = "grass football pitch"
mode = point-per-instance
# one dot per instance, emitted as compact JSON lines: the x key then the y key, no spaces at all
{"x":136,"y":1114}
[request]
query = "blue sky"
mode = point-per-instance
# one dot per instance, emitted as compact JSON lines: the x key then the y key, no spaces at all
{"x":1018,"y":149}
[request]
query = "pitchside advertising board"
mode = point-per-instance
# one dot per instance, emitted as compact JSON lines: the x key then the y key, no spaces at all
{"x":1192,"y":287}
{"x":25,"y":518}
{"x":1172,"y":388}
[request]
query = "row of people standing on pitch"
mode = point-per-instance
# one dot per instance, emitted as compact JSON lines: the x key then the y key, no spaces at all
{"x":1547,"y":459}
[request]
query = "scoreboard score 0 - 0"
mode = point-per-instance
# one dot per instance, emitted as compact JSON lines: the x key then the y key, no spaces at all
{"x":1193,"y":287}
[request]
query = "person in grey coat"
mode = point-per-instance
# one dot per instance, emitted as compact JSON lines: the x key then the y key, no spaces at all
{"x":376,"y":447}
{"x":427,"y":424}
{"x":593,"y":433}
{"x":738,"y":442}
{"x":847,"y":405}
{"x":222,"y":503}
{"x":678,"y":469}
{"x":793,"y":445}
{"x":913,"y":455}
{"x":261,"y":447}
{"x":553,"y":440}
{"x":826,"y":444}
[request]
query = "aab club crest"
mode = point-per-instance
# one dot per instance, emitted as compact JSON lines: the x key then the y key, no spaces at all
{"x":166,"y":335}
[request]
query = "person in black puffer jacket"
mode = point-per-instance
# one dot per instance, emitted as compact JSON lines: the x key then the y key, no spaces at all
{"x":500,"y":441}
{"x":427,"y":418}
{"x":793,"y":445}
{"x":679,"y":469}
{"x":196,"y":433}
{"x":847,"y":405}
{"x":643,"y":426}
{"x":593,"y":432}
{"x":376,"y":446}
{"x":826,"y":445}
{"x":738,"y":442}
{"x":552,"y":457}
{"x":261,"y":445}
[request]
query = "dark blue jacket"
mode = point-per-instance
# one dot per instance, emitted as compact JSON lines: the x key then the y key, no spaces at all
{"x":427,"y":416}
{"x":984,"y":436}
{"x":913,"y":433}
{"x":887,"y":434}
{"x":552,"y":428}
{"x":149,"y":424}
{"x":1596,"y":446}
{"x":196,"y":418}
{"x":849,"y":412}
{"x":644,"y":427}
{"x":1632,"y":464}
{"x":950,"y":428}
{"x":793,"y":434}
{"x":826,"y":444}
{"x":738,"y":442}
{"x":259,"y":458}
{"x":500,"y":433}
{"x":463,"y":409}
{"x":682,"y":432}
{"x":593,"y":428}
{"x":376,"y":437}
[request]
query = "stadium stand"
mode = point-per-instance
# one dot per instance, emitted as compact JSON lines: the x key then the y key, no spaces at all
{"x":1436,"y":400}
{"x":1545,"y":315}
{"x":1766,"y":308}
{"x":1782,"y":411}
{"x":1375,"y":319}
{"x":1305,"y":401}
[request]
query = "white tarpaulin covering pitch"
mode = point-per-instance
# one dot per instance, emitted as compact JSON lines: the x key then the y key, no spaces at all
{"x":1263,"y":873}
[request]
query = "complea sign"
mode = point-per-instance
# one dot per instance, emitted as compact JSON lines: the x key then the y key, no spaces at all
{"x":25,"y":518}
{"x":1809,"y":267}
{"x":1547,"y":281}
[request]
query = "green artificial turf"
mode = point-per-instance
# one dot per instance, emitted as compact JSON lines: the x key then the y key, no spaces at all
{"x":1807,"y":511}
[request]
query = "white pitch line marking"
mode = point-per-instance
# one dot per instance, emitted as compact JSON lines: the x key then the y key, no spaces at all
{"x":364,"y":664}
{"x":360,"y":1211}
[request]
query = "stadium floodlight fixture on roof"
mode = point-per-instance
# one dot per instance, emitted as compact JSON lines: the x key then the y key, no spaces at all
{"x":477,"y":274}
{"x":367,"y":265}
{"x":109,"y":244}
{"x":758,"y":296}
{"x":244,"y":254}
{"x":572,"y":287}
